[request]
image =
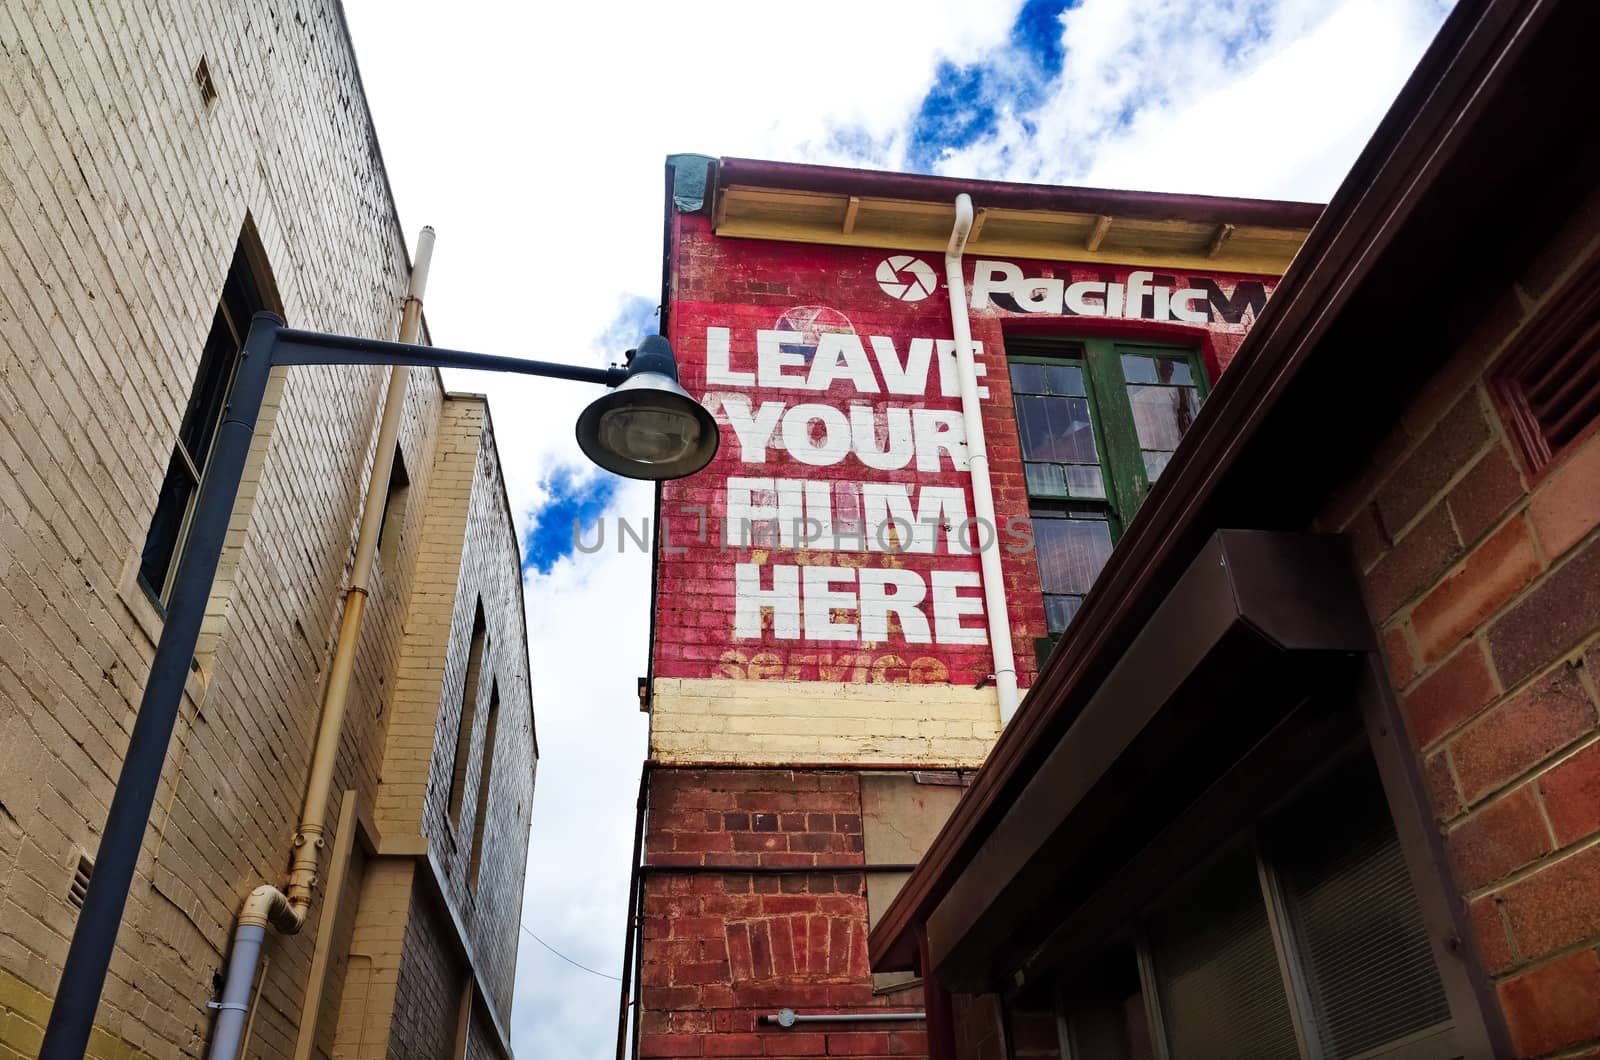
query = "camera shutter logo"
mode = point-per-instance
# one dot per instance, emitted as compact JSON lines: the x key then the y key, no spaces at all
{"x":906,"y":278}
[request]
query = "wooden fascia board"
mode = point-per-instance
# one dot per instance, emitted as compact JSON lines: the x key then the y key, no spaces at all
{"x":1042,"y":250}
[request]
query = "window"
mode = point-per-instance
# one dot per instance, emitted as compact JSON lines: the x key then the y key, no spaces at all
{"x":1303,"y":939}
{"x":1548,"y":385}
{"x":480,"y":816}
{"x":394,"y":512}
{"x":241,"y":299}
{"x":469,"y":710}
{"x":1097,"y":422}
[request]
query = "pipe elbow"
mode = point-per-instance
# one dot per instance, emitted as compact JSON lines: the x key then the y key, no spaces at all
{"x":267,"y":905}
{"x":961,"y":229}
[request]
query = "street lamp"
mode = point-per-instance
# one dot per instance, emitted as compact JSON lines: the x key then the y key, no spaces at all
{"x":648,"y":428}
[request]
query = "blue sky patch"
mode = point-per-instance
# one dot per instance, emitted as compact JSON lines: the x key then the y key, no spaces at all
{"x":966,"y":102}
{"x":636,"y":317}
{"x":571,"y":496}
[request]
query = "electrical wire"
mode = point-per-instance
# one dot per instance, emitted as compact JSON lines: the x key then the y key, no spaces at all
{"x":569,"y":960}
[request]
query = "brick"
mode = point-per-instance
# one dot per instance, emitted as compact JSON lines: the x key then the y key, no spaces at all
{"x":1442,"y":786}
{"x":1553,"y":1006}
{"x":1556,"y":906}
{"x":858,"y":1043}
{"x":1414,"y":563}
{"x":731,"y":1045}
{"x":1550,"y":620}
{"x":1521,"y":732}
{"x":1485,"y":493}
{"x":1447,"y":449}
{"x":1451,"y":694}
{"x":1494,"y":572}
{"x":1571,"y":793}
{"x":669,"y":1045}
{"x":1566,"y":505}
{"x":1490,"y":931}
{"x":1401,"y":659}
{"x":1499,"y":839}
{"x":791,"y":1044}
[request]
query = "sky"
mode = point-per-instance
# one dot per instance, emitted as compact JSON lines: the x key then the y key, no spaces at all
{"x":533,"y":136}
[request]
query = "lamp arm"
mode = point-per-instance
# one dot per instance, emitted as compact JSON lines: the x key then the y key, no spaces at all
{"x":295,"y":347}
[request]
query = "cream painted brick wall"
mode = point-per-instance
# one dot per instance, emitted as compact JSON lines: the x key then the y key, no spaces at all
{"x":714,"y":720}
{"x":121,"y":198}
{"x":469,"y":504}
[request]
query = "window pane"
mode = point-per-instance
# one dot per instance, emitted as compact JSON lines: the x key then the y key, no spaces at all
{"x":1155,"y":463}
{"x":1070,"y":553}
{"x":1136,"y":369}
{"x":166,"y":525}
{"x":1355,"y":917}
{"x":1056,"y":429}
{"x":1066,"y":379}
{"x":210,"y":393}
{"x":1045,"y":480}
{"x":1059,"y":611}
{"x":1175,"y":370}
{"x":1085,"y":480}
{"x":1027,"y":378}
{"x":1033,"y":428}
{"x":1216,"y":969}
{"x":1161,"y":414}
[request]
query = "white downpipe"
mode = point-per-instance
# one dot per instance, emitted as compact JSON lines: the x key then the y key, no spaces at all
{"x":994,"y":586}
{"x":267,"y":905}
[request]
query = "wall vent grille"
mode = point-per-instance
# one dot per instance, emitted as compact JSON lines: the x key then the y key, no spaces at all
{"x":80,"y":881}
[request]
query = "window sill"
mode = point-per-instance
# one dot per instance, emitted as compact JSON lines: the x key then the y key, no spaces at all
{"x":151,"y":622}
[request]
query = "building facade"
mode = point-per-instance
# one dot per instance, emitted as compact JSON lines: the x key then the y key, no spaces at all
{"x":165,"y":172}
{"x":822,"y":682}
{"x":1353,"y":632}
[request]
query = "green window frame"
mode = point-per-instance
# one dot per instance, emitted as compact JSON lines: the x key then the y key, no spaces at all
{"x":1119,"y":387}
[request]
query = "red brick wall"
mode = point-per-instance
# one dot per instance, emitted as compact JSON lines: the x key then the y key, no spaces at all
{"x":1486,"y":583}
{"x":721,"y":949}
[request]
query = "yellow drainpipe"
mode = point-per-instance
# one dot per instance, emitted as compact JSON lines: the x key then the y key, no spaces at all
{"x":287,"y":909}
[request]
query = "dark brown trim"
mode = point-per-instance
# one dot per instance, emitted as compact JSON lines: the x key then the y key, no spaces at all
{"x":1474,"y":1006}
{"x":1314,"y":731}
{"x":1470,"y":62}
{"x":936,"y":1003}
{"x":1258,"y":622}
{"x":919,"y":187}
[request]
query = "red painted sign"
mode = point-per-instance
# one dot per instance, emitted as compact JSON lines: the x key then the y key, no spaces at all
{"x":832,"y":539}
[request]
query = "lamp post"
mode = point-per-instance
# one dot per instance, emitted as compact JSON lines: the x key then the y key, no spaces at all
{"x":648,"y":427}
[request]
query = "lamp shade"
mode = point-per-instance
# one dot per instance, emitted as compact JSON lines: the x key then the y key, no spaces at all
{"x":649,"y":427}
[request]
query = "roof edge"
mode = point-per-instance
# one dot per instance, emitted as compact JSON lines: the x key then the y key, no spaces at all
{"x":918,"y":187}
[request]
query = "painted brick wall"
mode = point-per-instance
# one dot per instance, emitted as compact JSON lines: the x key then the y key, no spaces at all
{"x":722,"y":949}
{"x":121,"y":197}
{"x":492,"y":907}
{"x":428,"y":994}
{"x":730,"y":298}
{"x":1486,"y":583}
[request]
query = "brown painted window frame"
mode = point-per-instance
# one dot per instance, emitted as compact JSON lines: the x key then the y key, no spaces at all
{"x":1569,"y":317}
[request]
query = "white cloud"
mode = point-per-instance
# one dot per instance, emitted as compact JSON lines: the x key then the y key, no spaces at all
{"x":1235,"y":97}
{"x":532,"y":136}
{"x":588,"y":623}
